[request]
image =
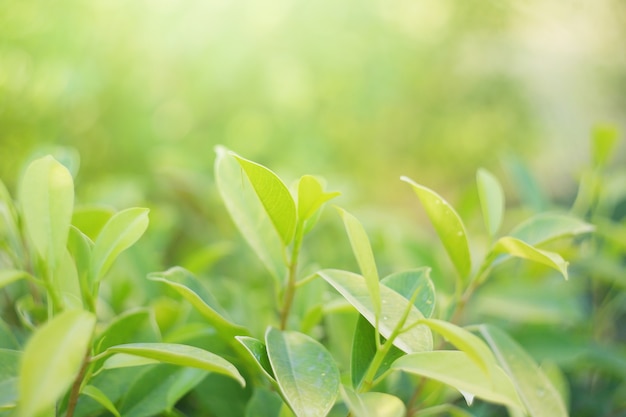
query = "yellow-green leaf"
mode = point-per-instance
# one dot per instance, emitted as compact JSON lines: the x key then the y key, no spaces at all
{"x":520,"y":249}
{"x":491,"y":200}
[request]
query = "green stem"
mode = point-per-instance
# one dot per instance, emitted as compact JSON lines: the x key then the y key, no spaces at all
{"x":290,"y":290}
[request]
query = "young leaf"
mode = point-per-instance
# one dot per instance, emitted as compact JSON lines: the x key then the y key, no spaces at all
{"x":364,"y":256}
{"x":448,"y":225}
{"x":491,"y":200}
{"x":393,"y":309}
{"x":51,"y":360}
{"x":274,"y":196}
{"x":305,"y":372}
{"x":544,"y":227}
{"x":534,"y":388}
{"x":520,"y":249}
{"x":47,"y":196}
{"x":259,"y":352}
{"x":249,"y":214}
{"x":605,"y":137}
{"x":181,"y":355}
{"x":91,"y":219}
{"x":93,"y":392}
{"x":372,"y":404}
{"x":118,"y":234}
{"x":311,"y":196}
{"x":65,"y":280}
{"x":457,"y":369}
{"x":184,"y":283}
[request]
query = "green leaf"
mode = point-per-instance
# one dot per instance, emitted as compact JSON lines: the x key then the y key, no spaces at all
{"x":466,"y":341}
{"x":157,"y":390}
{"x":311,"y":197}
{"x":181,"y":355}
{"x":65,"y":281}
{"x":491,"y":200}
{"x":101,"y":398}
{"x":51,"y":360}
{"x":457,"y":369}
{"x":448,"y":225}
{"x":416,"y":285}
{"x":372,"y":404}
{"x":7,"y":337}
{"x":118,"y":234}
{"x":9,"y":276}
{"x":185,"y":284}
{"x":80,"y":247}
{"x":248,"y":213}
{"x":365,"y":257}
{"x":274,"y":196}
{"x":520,"y":249}
{"x":47,"y":196}
{"x":534,"y":388}
{"x":264,"y":403}
{"x":545,"y":227}
{"x":9,"y":360}
{"x":364,"y":350}
{"x":258,"y":351}
{"x":393,"y":309}
{"x":305,"y":372}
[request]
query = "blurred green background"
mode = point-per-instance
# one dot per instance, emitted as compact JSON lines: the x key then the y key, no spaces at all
{"x":358,"y":91}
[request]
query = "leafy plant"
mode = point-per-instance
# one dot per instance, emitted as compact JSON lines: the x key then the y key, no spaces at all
{"x":335,"y":342}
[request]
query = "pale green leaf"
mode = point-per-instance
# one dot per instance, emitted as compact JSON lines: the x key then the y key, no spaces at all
{"x":372,"y":404}
{"x":51,"y":360}
{"x":125,"y":360}
{"x":365,"y":257}
{"x":66,"y":283}
{"x":491,"y":200}
{"x":457,"y":369}
{"x":311,"y":197}
{"x":305,"y":372}
{"x":9,"y":276}
{"x":274,"y":196}
{"x":416,"y":285}
{"x":534,"y":388}
{"x":451,"y":410}
{"x":448,"y":225}
{"x":181,"y":355}
{"x":118,"y":234}
{"x":605,"y":138}
{"x":185,"y":284}
{"x":248,"y":213}
{"x":520,"y":249}
{"x":93,"y":392}
{"x":393,"y":310}
{"x":545,"y":227}
{"x":91,"y":219}
{"x":258,"y":351}
{"x":47,"y":196}
{"x":466,"y":341}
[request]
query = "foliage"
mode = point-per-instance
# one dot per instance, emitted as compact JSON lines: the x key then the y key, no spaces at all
{"x":292,"y":334}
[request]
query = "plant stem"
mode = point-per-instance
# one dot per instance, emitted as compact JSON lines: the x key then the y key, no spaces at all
{"x":290,"y":290}
{"x":73,"y":400}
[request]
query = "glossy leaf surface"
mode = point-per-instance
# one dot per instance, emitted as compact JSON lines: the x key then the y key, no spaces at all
{"x":305,"y":372}
{"x":181,"y":355}
{"x":414,"y":284}
{"x":51,"y":359}
{"x":118,"y":234}
{"x":47,"y":197}
{"x":491,"y":197}
{"x":520,"y":249}
{"x":534,"y":388}
{"x":258,"y":351}
{"x":457,"y":369}
{"x":274,"y":196}
{"x":393,"y":309}
{"x":448,"y":225}
{"x":249,"y":214}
